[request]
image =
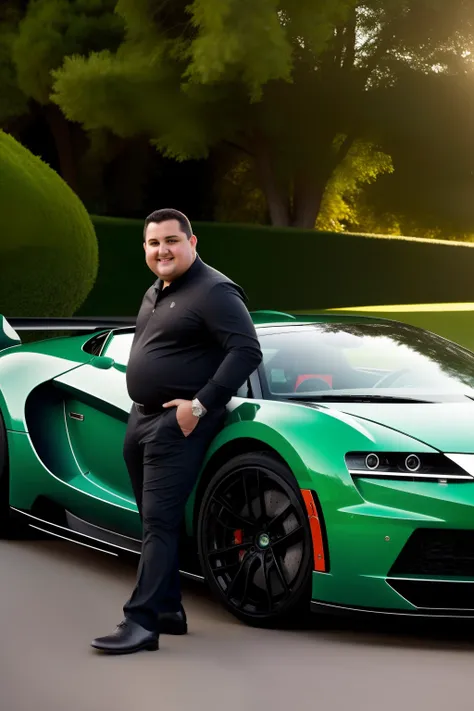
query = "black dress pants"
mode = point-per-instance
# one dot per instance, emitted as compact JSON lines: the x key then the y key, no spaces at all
{"x":163,"y":466}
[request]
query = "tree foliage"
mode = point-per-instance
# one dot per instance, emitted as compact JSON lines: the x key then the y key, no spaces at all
{"x":280,"y":79}
{"x":54,"y":29}
{"x":13,"y":101}
{"x":362,"y":166}
{"x":35,"y":37}
{"x":48,"y":247}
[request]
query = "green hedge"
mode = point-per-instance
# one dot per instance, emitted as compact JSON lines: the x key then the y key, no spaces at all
{"x":48,"y":247}
{"x":289,"y":269}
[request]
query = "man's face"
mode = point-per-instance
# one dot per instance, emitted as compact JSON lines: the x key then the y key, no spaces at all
{"x":168,"y":251}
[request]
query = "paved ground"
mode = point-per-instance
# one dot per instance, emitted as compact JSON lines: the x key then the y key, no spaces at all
{"x":54,"y":598}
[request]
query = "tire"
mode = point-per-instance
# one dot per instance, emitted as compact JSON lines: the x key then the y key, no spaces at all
{"x":10,"y":528}
{"x":258,"y":566}
{"x":5,"y":523}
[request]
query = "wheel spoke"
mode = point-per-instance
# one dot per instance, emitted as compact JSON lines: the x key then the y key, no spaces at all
{"x":261,"y":495}
{"x":229,"y":549}
{"x":268,"y":586}
{"x":280,"y":517}
{"x":292,"y":537}
{"x":224,"y":568}
{"x":280,"y":574}
{"x":237,"y":517}
{"x":244,"y":570}
{"x":247,"y":496}
{"x":243,"y":599}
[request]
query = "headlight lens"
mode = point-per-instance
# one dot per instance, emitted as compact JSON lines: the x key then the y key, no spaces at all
{"x":405,"y":465}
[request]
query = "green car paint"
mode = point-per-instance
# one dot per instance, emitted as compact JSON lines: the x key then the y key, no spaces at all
{"x":65,"y":408}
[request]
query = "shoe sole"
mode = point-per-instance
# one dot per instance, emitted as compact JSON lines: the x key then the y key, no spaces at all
{"x":150,"y":647}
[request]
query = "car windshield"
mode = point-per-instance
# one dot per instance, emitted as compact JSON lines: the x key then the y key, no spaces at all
{"x":327,"y":360}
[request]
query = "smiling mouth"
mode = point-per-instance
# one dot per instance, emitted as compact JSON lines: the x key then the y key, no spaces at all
{"x":164,"y":261}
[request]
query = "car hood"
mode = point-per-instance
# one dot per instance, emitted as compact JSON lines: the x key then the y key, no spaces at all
{"x":448,"y":427}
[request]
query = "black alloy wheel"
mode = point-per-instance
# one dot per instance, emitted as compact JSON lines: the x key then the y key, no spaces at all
{"x":254,"y":540}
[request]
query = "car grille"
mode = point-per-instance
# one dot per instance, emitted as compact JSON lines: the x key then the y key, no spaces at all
{"x":437,"y":552}
{"x":434,"y":595}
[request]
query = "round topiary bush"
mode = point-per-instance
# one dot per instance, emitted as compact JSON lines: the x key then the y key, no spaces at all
{"x":48,"y":247}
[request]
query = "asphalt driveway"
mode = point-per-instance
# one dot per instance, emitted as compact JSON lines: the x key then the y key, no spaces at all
{"x":55,"y":597}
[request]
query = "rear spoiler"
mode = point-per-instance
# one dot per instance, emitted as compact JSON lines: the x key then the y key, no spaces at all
{"x":72,"y":323}
{"x":10,"y":326}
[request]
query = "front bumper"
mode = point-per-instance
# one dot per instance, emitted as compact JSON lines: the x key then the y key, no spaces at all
{"x":407,"y":549}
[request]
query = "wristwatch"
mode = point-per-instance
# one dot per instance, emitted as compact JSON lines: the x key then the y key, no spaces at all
{"x":197,"y":409}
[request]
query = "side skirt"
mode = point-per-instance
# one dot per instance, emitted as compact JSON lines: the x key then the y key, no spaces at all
{"x":89,"y":535}
{"x":336,"y":609}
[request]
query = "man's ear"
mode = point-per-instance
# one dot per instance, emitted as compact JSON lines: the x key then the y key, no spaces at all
{"x":193,"y":239}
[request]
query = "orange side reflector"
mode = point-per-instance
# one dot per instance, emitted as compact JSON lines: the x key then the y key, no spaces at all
{"x":316,"y":533}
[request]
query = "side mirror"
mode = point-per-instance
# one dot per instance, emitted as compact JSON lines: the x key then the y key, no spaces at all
{"x":102,"y":362}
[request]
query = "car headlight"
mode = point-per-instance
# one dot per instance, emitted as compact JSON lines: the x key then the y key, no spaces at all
{"x":405,"y":465}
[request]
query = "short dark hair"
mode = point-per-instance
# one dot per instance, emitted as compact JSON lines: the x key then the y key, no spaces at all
{"x":168,"y":213}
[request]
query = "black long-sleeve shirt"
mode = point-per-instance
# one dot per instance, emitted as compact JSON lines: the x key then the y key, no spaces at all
{"x":194,"y":338}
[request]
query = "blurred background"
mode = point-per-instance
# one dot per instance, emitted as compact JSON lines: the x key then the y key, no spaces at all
{"x":322,"y":150}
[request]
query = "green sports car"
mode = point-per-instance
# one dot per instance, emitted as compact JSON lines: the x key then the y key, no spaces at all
{"x":343,"y":478}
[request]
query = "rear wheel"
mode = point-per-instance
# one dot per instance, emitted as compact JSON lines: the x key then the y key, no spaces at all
{"x":5,"y":526}
{"x":254,"y":540}
{"x":9,"y":527}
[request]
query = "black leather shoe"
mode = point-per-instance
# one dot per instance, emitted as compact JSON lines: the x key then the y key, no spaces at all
{"x":173,"y":622}
{"x":128,"y":637}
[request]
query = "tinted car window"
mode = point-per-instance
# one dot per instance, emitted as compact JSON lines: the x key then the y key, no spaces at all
{"x":353,"y":356}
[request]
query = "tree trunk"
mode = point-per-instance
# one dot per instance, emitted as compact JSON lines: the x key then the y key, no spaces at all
{"x":307,"y":198}
{"x":61,"y":131}
{"x":276,"y":195}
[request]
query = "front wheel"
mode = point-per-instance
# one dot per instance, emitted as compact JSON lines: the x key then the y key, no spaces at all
{"x":254,"y":540}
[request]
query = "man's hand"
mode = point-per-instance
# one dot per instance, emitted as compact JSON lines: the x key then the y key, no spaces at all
{"x":184,"y":415}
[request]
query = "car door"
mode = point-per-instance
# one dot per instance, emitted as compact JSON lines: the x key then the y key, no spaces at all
{"x":97,"y":406}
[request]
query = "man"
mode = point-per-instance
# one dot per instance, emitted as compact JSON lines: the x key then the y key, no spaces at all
{"x":194,"y":346}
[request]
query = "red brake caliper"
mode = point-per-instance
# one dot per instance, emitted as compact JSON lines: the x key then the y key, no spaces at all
{"x":238,"y":538}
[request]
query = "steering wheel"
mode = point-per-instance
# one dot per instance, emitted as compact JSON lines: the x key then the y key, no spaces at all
{"x":311,"y":384}
{"x":386,"y":380}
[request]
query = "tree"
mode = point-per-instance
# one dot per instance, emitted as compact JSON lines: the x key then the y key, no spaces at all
{"x":35,"y":37}
{"x":239,"y":199}
{"x":48,"y":247}
{"x":285,"y":81}
{"x":13,"y":101}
